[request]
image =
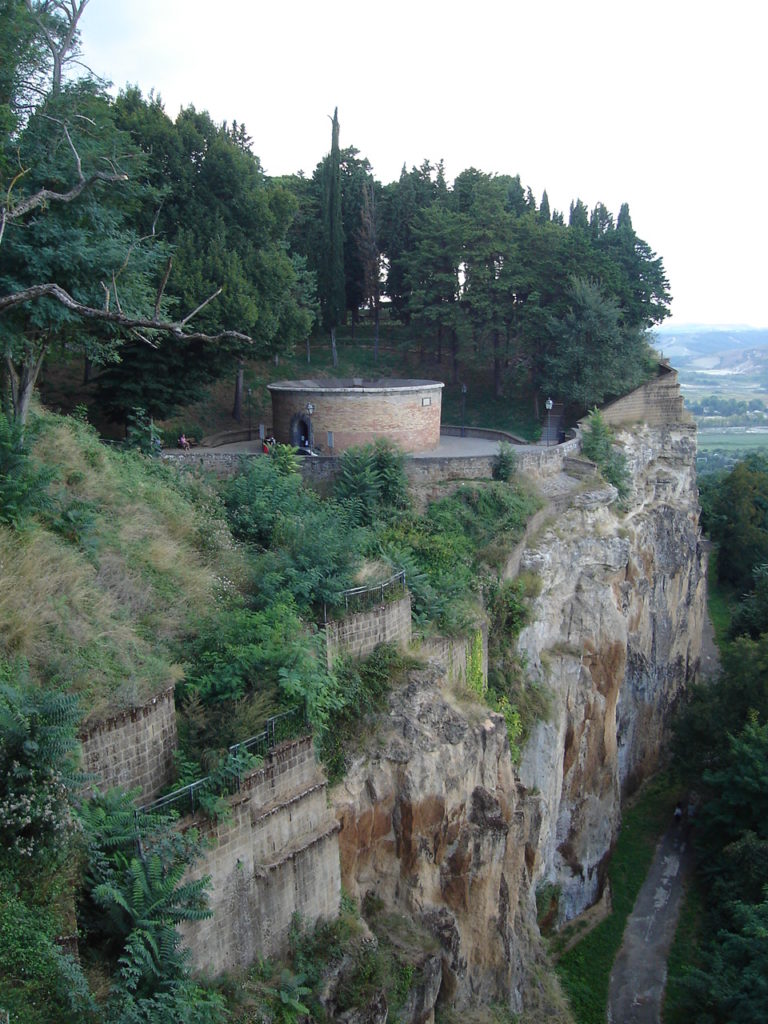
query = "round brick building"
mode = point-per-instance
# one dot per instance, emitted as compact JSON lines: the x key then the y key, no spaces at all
{"x":333,"y":415}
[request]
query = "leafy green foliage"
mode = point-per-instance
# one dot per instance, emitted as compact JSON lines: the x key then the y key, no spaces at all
{"x":38,"y":981}
{"x":736,"y":518}
{"x":244,"y":657}
{"x":721,"y":750}
{"x":284,"y":459}
{"x":372,"y":482}
{"x":447,"y":553}
{"x":312,"y":546}
{"x":141,"y":432}
{"x":37,"y":766}
{"x":23,"y":481}
{"x":134,"y":897}
{"x":362,"y":689}
{"x":505,"y":465}
{"x":593,"y":354}
{"x":732,"y":843}
{"x":511,"y":692}
{"x":751,"y":616}
{"x":38,"y":844}
{"x":597,"y":444}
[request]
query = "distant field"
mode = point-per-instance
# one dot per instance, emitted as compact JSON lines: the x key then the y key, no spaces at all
{"x":711,"y":440}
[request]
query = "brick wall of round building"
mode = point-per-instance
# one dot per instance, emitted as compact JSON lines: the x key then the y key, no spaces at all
{"x":357,"y":418}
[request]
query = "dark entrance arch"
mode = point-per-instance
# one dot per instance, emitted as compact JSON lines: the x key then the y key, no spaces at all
{"x":299,"y":431}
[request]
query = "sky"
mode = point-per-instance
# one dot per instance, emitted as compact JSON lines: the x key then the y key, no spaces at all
{"x":659,"y":103}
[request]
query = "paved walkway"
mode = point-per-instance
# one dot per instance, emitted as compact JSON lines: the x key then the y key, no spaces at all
{"x":449,"y":447}
{"x":640,"y":970}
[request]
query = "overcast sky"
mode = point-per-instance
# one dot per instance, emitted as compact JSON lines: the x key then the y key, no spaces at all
{"x":660,"y":103}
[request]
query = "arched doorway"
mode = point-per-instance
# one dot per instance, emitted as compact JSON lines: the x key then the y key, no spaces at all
{"x":299,"y":431}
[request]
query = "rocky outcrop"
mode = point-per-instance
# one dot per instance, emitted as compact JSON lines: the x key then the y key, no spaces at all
{"x":437,"y":821}
{"x":433,"y":823}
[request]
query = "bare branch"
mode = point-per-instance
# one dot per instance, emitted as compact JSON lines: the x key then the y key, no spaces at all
{"x":45,"y":195}
{"x":161,"y":289}
{"x":201,"y":306}
{"x":134,"y":324}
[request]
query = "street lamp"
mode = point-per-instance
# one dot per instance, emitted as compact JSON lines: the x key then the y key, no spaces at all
{"x":463,"y":407}
{"x":548,"y":405}
{"x":310,"y":410}
{"x":250,"y":408}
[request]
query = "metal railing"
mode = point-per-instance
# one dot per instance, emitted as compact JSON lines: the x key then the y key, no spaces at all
{"x":278,"y":728}
{"x":360,"y":598}
{"x":186,"y":800}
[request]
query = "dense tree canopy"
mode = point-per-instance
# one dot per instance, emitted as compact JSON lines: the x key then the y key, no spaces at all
{"x":475,"y":266}
{"x":227,"y":224}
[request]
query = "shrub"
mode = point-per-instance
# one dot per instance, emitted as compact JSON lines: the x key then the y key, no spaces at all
{"x":372,"y":481}
{"x":362,"y":689}
{"x":37,"y":747}
{"x":505,"y":464}
{"x":23,"y":483}
{"x":135,"y":892}
{"x":597,"y":445}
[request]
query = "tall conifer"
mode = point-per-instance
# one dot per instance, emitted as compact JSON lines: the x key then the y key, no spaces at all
{"x":332,"y":285}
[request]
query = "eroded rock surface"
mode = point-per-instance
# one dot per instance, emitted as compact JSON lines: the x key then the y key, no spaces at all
{"x":437,"y":821}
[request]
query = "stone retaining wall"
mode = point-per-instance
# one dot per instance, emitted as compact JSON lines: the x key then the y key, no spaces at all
{"x":452,"y":654}
{"x":360,"y":633}
{"x":134,"y":749}
{"x":278,"y":855}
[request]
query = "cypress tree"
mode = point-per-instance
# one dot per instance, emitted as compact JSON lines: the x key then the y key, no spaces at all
{"x":332,"y":284}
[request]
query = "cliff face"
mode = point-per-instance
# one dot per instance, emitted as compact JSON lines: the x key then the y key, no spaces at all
{"x":616,"y":636}
{"x":437,"y":821}
{"x":432,"y":821}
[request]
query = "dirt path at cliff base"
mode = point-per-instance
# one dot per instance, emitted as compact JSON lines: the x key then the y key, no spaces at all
{"x":640,"y":971}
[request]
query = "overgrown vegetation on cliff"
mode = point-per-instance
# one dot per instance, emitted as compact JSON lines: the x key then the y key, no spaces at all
{"x":123,"y":576}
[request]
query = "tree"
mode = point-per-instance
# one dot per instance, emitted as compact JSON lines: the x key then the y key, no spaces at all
{"x":229,"y":225}
{"x":488,"y":252}
{"x":432,"y":276}
{"x":594,"y":355}
{"x":74,"y":263}
{"x":401,"y":203}
{"x":370,"y":255}
{"x":738,"y":522}
{"x":330,"y":278}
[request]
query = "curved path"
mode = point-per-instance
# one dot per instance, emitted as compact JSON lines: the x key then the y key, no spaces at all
{"x":449,"y":447}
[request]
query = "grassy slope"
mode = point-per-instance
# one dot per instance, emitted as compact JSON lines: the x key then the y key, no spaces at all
{"x":95,"y":592}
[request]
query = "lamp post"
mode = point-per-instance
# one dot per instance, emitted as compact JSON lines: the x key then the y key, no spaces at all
{"x":310,"y":410}
{"x":548,"y":405}
{"x":250,"y":408}
{"x":463,"y":407}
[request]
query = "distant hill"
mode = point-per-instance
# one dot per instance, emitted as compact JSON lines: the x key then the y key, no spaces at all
{"x":706,"y":347}
{"x":717,"y":358}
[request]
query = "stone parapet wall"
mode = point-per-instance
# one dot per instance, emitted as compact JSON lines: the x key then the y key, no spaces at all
{"x":134,"y":749}
{"x":658,"y":403}
{"x":535,"y":461}
{"x":276,"y":856}
{"x":221,"y":464}
{"x":359,"y":634}
{"x":485,"y":432}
